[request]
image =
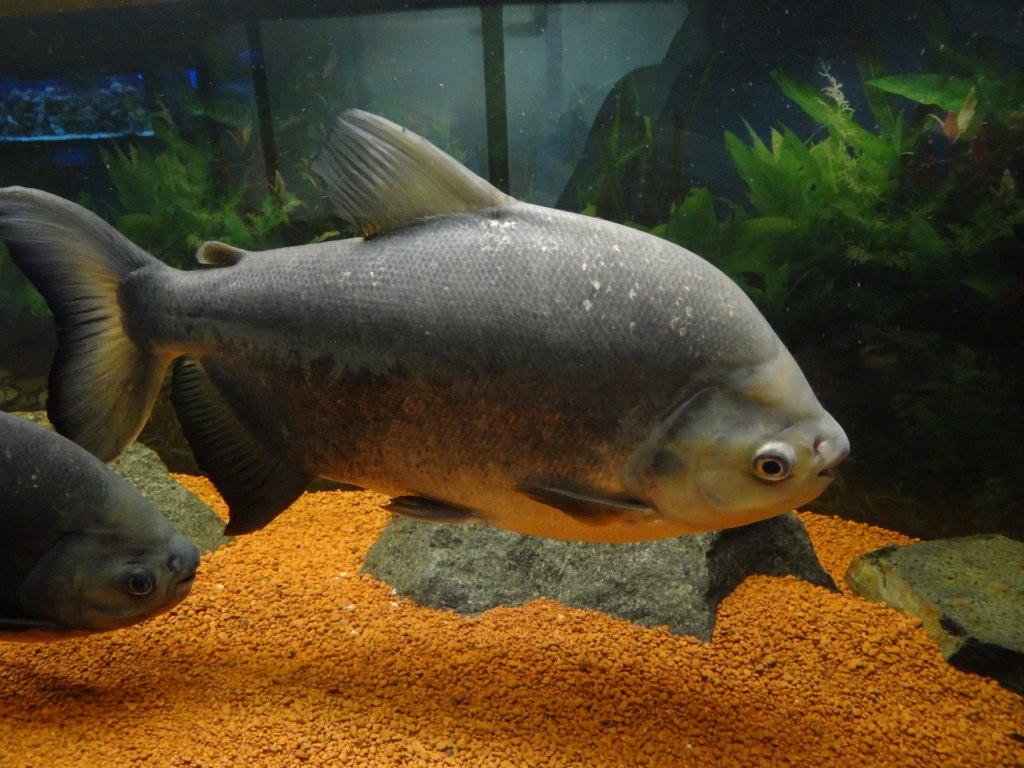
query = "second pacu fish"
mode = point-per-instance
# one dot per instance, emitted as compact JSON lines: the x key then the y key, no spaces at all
{"x":81,"y":550}
{"x":475,"y":357}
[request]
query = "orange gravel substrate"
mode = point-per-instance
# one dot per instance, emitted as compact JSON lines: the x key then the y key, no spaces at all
{"x":285,"y":656}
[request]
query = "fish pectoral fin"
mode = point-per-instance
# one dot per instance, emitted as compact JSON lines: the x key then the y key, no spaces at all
{"x":591,"y":509}
{"x":381,"y":176}
{"x":23,"y":624}
{"x":218,"y":254}
{"x":431,"y":510}
{"x":254,"y":482}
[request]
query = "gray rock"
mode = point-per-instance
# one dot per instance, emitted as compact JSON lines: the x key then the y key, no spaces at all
{"x":675,"y":582}
{"x":183,"y":509}
{"x":968,"y":592}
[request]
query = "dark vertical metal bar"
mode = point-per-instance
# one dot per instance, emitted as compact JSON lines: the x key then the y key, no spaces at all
{"x":261,"y":91}
{"x":494,"y":94}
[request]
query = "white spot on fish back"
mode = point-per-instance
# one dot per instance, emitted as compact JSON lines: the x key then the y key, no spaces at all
{"x":596,"y":284}
{"x":588,"y":304}
{"x":633,"y":293}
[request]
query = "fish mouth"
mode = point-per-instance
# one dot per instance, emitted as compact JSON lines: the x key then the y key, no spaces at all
{"x":179,"y":591}
{"x":834,"y":452}
{"x":184,"y":585}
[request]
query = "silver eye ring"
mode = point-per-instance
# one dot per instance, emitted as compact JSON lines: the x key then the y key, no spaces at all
{"x":139,"y":583}
{"x":774,"y":461}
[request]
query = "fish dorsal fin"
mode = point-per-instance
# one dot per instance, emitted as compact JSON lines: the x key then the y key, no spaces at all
{"x":218,"y":254}
{"x":380,"y":176}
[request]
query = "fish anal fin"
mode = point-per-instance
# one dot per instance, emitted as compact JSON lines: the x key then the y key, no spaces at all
{"x":590,"y":508}
{"x":381,"y":176}
{"x":430,"y":510}
{"x":255,"y":483}
{"x":218,"y":254}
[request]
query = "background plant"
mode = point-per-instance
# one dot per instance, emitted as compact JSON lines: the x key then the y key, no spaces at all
{"x":171,"y":199}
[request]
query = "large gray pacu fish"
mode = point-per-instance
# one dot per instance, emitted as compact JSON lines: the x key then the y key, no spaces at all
{"x":80,"y":550}
{"x":475,"y":357}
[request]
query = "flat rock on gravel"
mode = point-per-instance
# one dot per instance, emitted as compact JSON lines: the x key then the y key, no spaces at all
{"x":143,"y":469}
{"x":968,"y":592}
{"x":675,"y":582}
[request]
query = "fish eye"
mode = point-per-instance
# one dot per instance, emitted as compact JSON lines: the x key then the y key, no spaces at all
{"x":139,"y":583}
{"x":774,"y":461}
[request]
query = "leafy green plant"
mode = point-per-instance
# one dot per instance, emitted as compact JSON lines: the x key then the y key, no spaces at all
{"x":18,"y":299}
{"x":858,"y":207}
{"x":171,"y":200}
{"x":636,"y":173}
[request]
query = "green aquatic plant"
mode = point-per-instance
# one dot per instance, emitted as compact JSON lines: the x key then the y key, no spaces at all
{"x":25,"y":341}
{"x":18,"y":299}
{"x":636,"y":173}
{"x":171,"y":200}
{"x":859,"y":209}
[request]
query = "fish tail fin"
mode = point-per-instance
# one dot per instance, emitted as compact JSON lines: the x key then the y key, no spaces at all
{"x":102,"y":384}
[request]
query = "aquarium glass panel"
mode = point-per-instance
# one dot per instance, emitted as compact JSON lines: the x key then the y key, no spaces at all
{"x":421,"y":69}
{"x":562,"y":60}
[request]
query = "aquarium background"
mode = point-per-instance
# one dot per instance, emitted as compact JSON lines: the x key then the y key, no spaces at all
{"x":856,"y":167}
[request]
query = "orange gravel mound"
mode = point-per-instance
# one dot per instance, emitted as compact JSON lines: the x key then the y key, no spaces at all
{"x":285,"y":656}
